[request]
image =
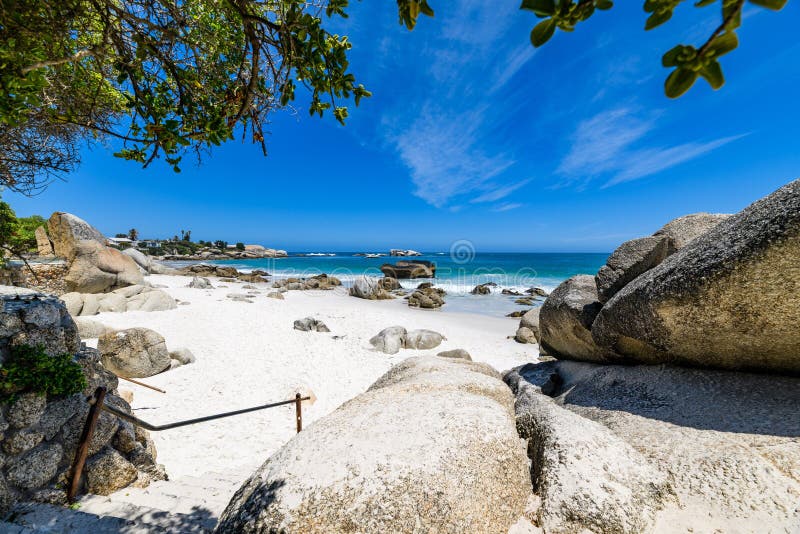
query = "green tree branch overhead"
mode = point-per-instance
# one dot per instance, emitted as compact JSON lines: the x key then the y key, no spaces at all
{"x":164,"y":77}
{"x":688,"y":63}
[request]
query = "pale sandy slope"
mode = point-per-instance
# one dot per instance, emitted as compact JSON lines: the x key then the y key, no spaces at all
{"x":249,"y":354}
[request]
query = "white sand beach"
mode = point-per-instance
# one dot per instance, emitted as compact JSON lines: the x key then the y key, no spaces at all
{"x":249,"y":354}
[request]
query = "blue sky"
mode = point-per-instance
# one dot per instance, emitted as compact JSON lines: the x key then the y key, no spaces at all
{"x":473,"y":134}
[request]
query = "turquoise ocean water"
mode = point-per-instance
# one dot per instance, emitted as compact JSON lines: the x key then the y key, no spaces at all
{"x":457,"y":272}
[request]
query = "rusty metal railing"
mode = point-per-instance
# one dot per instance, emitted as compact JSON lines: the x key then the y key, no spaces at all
{"x":97,"y":404}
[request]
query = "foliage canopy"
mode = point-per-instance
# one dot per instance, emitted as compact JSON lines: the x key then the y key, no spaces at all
{"x":162,"y":76}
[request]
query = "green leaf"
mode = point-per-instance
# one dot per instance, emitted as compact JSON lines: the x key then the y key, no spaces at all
{"x":775,"y":5}
{"x":680,"y":81}
{"x":542,"y":32}
{"x":603,"y":4}
{"x":670,"y":59}
{"x":713,"y":74}
{"x":657,"y":19}
{"x":542,"y":8}
{"x":723,"y":44}
{"x":704,"y":3}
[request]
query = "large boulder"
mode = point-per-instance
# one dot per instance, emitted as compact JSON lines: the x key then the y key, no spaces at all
{"x":528,"y":330}
{"x":134,"y":352}
{"x":723,"y":300}
{"x":31,"y":318}
{"x":389,"y":340}
{"x":683,"y":230}
{"x":146,"y":263}
{"x":96,"y":268}
{"x":427,"y":297}
{"x":66,"y":230}
{"x":565,"y":320}
{"x":588,"y":479}
{"x":603,"y":446}
{"x":309,"y":324}
{"x":130,"y":298}
{"x":637,"y":256}
{"x":409,"y":269}
{"x":628,"y":261}
{"x":44,"y":247}
{"x":367,"y":287}
{"x":422,"y":339}
{"x":386,"y":462}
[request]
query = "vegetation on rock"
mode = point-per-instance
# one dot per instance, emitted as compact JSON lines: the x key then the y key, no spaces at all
{"x":31,"y":369}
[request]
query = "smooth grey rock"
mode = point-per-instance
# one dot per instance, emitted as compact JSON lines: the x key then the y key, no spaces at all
{"x":722,"y":301}
{"x":566,"y":317}
{"x":530,"y":323}
{"x":74,"y":303}
{"x":628,"y":261}
{"x":151,"y":300}
{"x":89,"y":329}
{"x":683,"y":230}
{"x":309,"y":324}
{"x":389,"y":340}
{"x":148,"y":264}
{"x":199,"y":282}
{"x":729,"y":442}
{"x":422,"y":339}
{"x":386,"y":462}
{"x":460,"y":354}
{"x":588,"y":479}
{"x":134,"y":352}
{"x":275,"y":295}
{"x":366,"y":287}
{"x":183,"y":355}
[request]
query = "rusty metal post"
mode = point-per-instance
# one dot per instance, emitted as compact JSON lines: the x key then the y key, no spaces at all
{"x":83,"y":445}
{"x":298,"y":404}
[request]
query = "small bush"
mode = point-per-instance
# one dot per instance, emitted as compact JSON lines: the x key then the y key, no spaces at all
{"x":32,"y":369}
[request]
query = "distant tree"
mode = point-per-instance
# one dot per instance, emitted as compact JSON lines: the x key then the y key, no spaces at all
{"x":239,"y":246}
{"x":120,"y":236}
{"x":133,"y":234}
{"x":15,"y":237}
{"x":188,"y":236}
{"x":27,"y":229}
{"x":221,"y":244}
{"x":688,"y":63}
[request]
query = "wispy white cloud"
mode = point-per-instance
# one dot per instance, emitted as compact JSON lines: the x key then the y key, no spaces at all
{"x":445,"y":157}
{"x":449,"y":146}
{"x":508,"y":206}
{"x":497,"y":193}
{"x":613,"y":143}
{"x":652,"y":160}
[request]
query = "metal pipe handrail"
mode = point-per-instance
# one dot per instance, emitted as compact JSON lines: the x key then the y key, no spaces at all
{"x":156,"y":428}
{"x":96,"y":403}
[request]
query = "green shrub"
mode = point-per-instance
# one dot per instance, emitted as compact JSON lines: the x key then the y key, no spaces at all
{"x":32,"y":369}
